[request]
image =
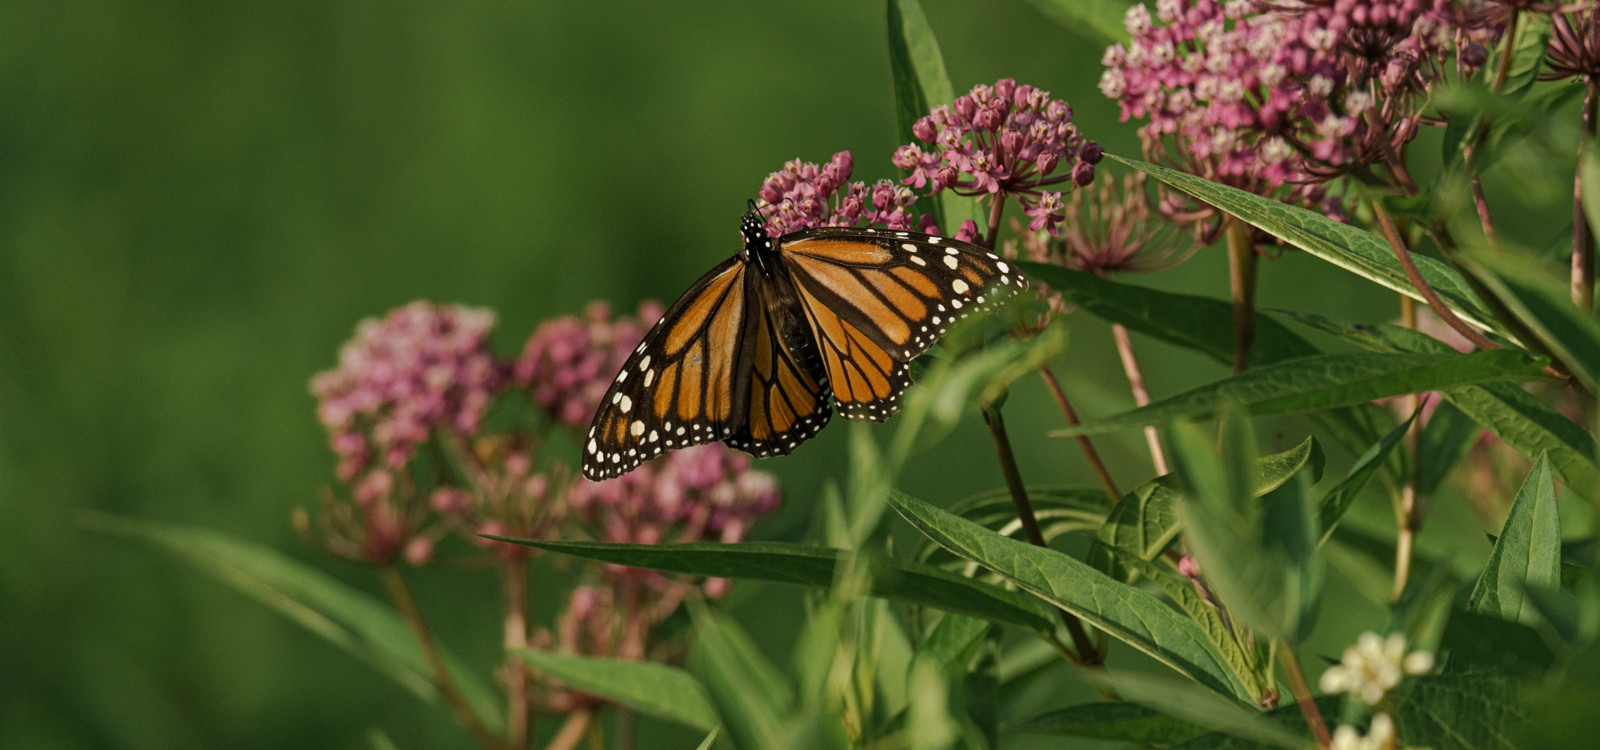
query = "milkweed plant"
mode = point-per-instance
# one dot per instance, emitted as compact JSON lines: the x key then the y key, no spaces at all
{"x":1168,"y":601}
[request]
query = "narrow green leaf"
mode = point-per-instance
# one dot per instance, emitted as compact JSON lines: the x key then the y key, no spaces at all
{"x":1129,"y":722}
{"x":1287,"y":718}
{"x":1476,"y":642}
{"x":783,"y":562}
{"x":1333,"y":505}
{"x":1589,"y":170}
{"x":954,"y":641}
{"x":350,"y":619}
{"x":920,"y":83}
{"x":1527,"y":53}
{"x":649,"y":688}
{"x":1543,"y":304}
{"x":1511,"y":413}
{"x":747,"y":690}
{"x":1459,"y":712}
{"x":709,"y":741}
{"x":1098,"y":20}
{"x":1059,"y":509}
{"x":1128,"y":614}
{"x":1345,"y":246}
{"x":1322,"y":382}
{"x":1275,"y":470}
{"x":1204,"y":325}
{"x":1528,"y":550}
{"x":1187,"y":701}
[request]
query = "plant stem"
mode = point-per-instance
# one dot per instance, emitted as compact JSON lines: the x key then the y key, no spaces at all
{"x":1401,"y":253}
{"x":572,"y":730}
{"x":1141,"y":397}
{"x":1097,"y":465}
{"x":1582,"y":233}
{"x":1408,"y":515}
{"x":1087,"y":654}
{"x":441,"y":675}
{"x":1242,"y":281}
{"x":1302,"y":696}
{"x":518,"y":722}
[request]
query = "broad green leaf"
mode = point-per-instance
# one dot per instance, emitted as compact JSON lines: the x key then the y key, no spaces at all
{"x":1543,"y":304}
{"x":1099,"y":20}
{"x":1527,"y":53}
{"x":1333,"y":505}
{"x":1130,"y":722}
{"x":1476,"y":642}
{"x":1345,"y":246}
{"x":350,"y":619}
{"x":1324,"y":381}
{"x":920,"y":84}
{"x":1459,"y":712}
{"x":749,"y":693}
{"x":1274,"y":470}
{"x":1511,"y":413}
{"x":783,"y":562}
{"x":1240,"y":660}
{"x":1058,"y":508}
{"x":1186,"y":701}
{"x":1528,"y":550}
{"x":1128,"y":614}
{"x":649,"y":688}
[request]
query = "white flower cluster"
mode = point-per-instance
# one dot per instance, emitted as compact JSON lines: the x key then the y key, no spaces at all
{"x":1380,"y":736}
{"x":1373,"y":666}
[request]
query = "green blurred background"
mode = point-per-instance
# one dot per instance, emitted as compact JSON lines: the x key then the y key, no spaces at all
{"x":199,"y":200}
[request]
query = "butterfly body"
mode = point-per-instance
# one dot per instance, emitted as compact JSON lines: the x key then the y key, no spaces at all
{"x":758,"y":350}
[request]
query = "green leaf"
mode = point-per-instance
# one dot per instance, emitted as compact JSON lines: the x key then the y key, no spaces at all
{"x":783,"y":562}
{"x":1186,"y":701}
{"x":1127,"y":614}
{"x":1543,"y":304}
{"x":1059,"y":509}
{"x":1275,"y":470}
{"x":1449,"y":434}
{"x":1476,"y":642}
{"x":350,"y":619}
{"x":921,"y":83}
{"x":1528,"y":550}
{"x":1458,"y":712}
{"x":1099,"y":20}
{"x":1288,"y":718}
{"x":1527,"y":53}
{"x":1333,"y":505}
{"x":747,"y":690}
{"x":1130,"y":722}
{"x":709,"y":741}
{"x":1511,"y":413}
{"x":1262,"y":564}
{"x":649,"y":688}
{"x":954,"y":641}
{"x":1322,"y":382}
{"x":1202,"y":324}
{"x":1355,"y":250}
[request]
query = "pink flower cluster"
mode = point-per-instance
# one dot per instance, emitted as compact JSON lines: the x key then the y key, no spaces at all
{"x":804,"y":195}
{"x":1270,"y":93}
{"x":421,"y":368}
{"x":707,"y":492}
{"x":568,"y":364}
{"x":1005,"y":139}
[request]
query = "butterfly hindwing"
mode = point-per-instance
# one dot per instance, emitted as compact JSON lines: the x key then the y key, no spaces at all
{"x":877,"y":299}
{"x":788,"y":394}
{"x":685,"y":384}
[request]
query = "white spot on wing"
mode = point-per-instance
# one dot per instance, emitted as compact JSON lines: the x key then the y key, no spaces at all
{"x":960,"y":286}
{"x":625,"y":404}
{"x":950,"y":260}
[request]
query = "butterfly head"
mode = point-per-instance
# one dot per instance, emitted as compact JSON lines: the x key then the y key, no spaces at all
{"x":754,"y":228}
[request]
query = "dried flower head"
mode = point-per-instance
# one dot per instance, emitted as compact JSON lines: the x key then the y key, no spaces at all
{"x":421,"y":368}
{"x":1000,"y":140}
{"x":1374,"y":666}
{"x":568,"y":363}
{"x":1574,"y":50}
{"x":804,"y":195}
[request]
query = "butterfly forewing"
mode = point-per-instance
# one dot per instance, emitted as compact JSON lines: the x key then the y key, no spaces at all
{"x":877,"y":299}
{"x":684,"y":385}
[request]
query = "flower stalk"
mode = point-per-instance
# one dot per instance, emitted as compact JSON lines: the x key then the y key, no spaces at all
{"x":448,"y":691}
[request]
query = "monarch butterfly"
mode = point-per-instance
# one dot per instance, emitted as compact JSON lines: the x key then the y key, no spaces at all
{"x":750,"y":354}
